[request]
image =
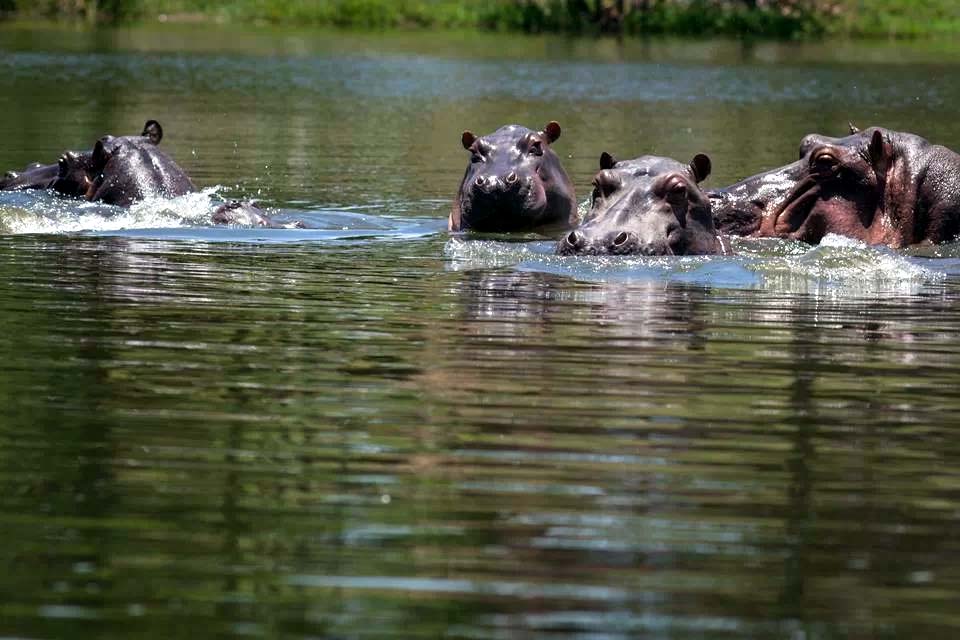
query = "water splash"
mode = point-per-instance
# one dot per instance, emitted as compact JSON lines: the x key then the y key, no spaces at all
{"x":838,"y":266}
{"x":844,"y":267}
{"x":190,"y":217}
{"x":44,"y":212}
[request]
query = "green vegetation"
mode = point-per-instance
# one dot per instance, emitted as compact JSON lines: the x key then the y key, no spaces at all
{"x":763,"y":18}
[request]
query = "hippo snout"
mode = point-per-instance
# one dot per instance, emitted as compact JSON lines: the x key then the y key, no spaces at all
{"x":614,"y":243}
{"x":492,"y":184}
{"x":625,"y":242}
{"x":571,"y":244}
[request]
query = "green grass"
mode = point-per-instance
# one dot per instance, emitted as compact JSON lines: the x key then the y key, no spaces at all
{"x":900,"y":18}
{"x":757,"y":18}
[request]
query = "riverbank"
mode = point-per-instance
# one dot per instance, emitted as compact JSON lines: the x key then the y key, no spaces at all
{"x":791,"y":19}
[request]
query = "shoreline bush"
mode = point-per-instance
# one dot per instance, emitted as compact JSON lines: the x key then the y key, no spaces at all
{"x":783,"y":19}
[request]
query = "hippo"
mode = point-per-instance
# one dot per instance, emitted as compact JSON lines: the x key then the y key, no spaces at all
{"x":74,"y":173}
{"x":126,"y":169}
{"x":247,"y":214}
{"x":879,"y":186}
{"x":649,"y":205}
{"x":514,"y":182}
{"x":45,"y":176}
{"x":33,"y":176}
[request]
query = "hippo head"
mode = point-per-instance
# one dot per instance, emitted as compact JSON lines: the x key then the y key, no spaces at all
{"x":649,"y":206}
{"x":839,"y":185}
{"x":33,"y":176}
{"x":75,"y":173}
{"x":514,"y":181}
{"x":79,"y":172}
{"x":126,"y":178}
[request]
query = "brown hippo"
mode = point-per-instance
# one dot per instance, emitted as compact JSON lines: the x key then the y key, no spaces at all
{"x":650,"y":206}
{"x":514,"y":182}
{"x":878,"y":186}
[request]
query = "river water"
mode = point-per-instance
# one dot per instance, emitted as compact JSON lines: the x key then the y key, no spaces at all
{"x":372,"y":429}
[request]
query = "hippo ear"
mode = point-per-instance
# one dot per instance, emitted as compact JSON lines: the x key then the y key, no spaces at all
{"x":153,"y":130}
{"x":607,"y":161}
{"x":551,"y":132}
{"x":880,"y":152}
{"x":853,"y":128}
{"x":700,"y":166}
{"x":468,"y":139}
{"x":100,"y":155}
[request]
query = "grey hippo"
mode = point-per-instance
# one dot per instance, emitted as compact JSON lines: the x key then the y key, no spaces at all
{"x":649,"y":205}
{"x":514,"y":182}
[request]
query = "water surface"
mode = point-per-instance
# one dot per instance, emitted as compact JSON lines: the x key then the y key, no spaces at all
{"x":372,"y":429}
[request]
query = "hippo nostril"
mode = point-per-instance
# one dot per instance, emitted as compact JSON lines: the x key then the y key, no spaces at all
{"x":620,"y":239}
{"x":512,"y":178}
{"x":575,"y":239}
{"x":480,"y":181}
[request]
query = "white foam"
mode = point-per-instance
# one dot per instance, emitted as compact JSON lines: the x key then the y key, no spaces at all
{"x":848,"y":267}
{"x":42,"y":212}
{"x":838,"y":266}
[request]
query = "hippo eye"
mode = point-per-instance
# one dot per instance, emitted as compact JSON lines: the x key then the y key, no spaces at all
{"x":676,"y":190}
{"x":536,"y":148}
{"x":596,"y":191}
{"x":824,"y":162}
{"x":476,"y":158}
{"x":603,"y":188}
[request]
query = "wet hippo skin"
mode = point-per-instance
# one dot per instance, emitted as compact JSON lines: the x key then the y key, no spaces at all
{"x":650,"y":206}
{"x":514,"y":182}
{"x":69,"y":176}
{"x":877,"y":185}
{"x":33,"y":176}
{"x":126,"y":169}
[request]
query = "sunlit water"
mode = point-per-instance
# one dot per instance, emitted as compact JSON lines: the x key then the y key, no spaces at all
{"x":372,"y":428}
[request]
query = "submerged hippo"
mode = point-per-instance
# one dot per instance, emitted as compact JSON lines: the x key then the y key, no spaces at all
{"x":514,"y":182}
{"x":650,"y":206}
{"x":247,"y":214}
{"x":878,"y":186}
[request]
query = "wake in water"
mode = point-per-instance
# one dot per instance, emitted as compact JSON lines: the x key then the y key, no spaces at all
{"x":838,"y":266}
{"x":44,"y":212}
{"x":190,"y":216}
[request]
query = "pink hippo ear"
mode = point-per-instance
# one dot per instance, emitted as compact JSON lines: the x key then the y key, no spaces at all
{"x":881,"y":152}
{"x":551,"y":132}
{"x":700,"y":166}
{"x":607,"y":161}
{"x":468,"y":139}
